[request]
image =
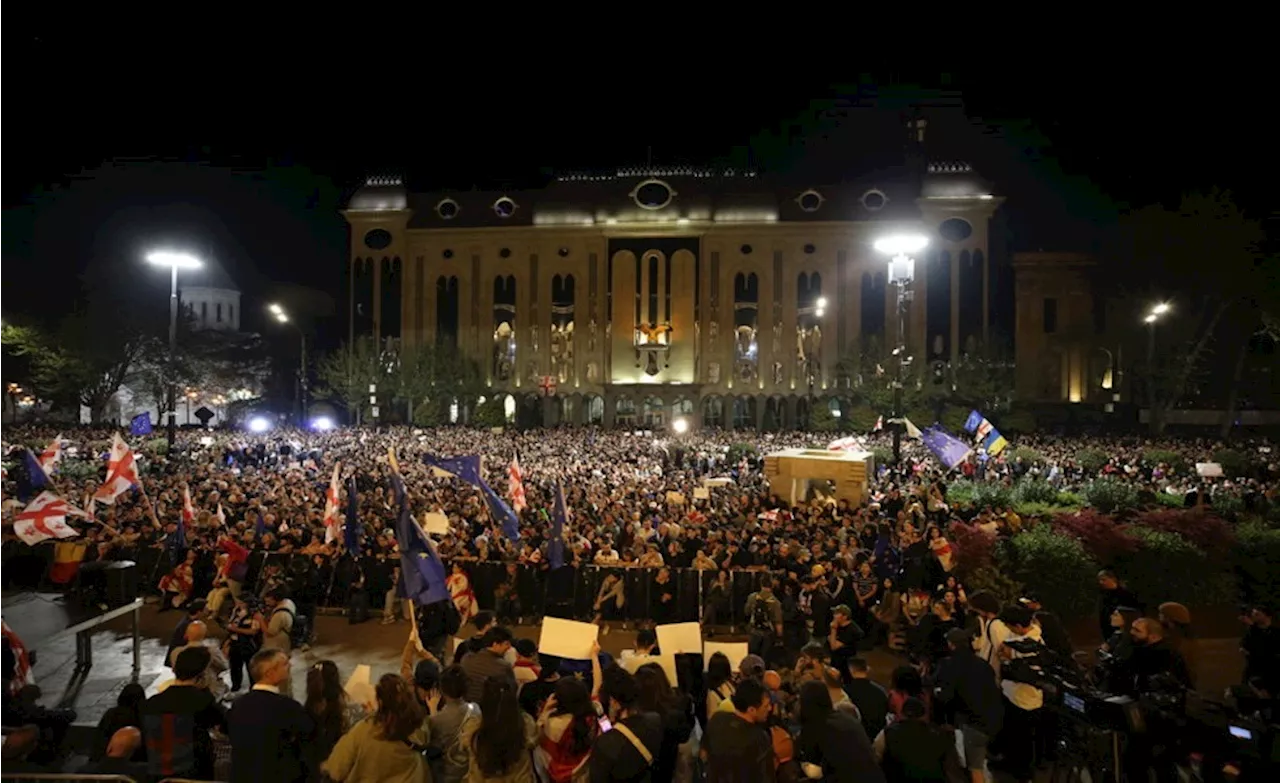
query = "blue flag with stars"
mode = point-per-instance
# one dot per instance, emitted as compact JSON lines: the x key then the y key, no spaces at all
{"x":555,"y":549}
{"x":468,"y":469}
{"x":422,"y":572}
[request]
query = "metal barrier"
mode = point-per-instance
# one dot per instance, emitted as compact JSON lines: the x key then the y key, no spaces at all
{"x":319,"y":582}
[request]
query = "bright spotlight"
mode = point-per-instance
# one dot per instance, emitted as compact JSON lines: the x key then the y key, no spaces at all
{"x":900,"y":244}
{"x":322,"y":424}
{"x":681,"y":426}
{"x":822,"y":303}
{"x":282,"y":318}
{"x":1161,"y":308}
{"x":259,"y":424}
{"x":275,"y":308}
{"x":1150,"y":319}
{"x":180,"y":260}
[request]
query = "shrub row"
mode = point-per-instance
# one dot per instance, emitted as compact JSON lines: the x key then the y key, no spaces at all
{"x":1188,"y":555}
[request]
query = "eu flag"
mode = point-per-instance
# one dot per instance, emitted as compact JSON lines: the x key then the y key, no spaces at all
{"x":949,"y":450}
{"x":140,"y":424}
{"x":352,"y":532}
{"x":36,"y":479}
{"x":555,"y":549}
{"x":422,"y":572}
{"x":468,"y":469}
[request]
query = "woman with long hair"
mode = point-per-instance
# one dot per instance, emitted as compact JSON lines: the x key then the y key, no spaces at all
{"x":676,"y":710}
{"x":384,"y":747}
{"x":719,"y":682}
{"x":494,"y":752}
{"x":329,"y":707}
{"x":906,"y":683}
{"x":568,"y":727}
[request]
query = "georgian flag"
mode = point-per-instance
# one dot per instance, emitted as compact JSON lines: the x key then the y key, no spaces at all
{"x":516,"y":478}
{"x":188,"y":510}
{"x":122,"y":472}
{"x":45,"y":518}
{"x":51,"y":456}
{"x":332,"y":520}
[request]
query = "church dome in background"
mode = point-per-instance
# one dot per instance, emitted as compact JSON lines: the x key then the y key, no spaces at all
{"x":380,"y":194}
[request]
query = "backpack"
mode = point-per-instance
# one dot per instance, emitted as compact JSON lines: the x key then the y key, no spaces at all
{"x":762,"y":615}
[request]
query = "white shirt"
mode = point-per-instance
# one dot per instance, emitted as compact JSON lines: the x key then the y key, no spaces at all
{"x":262,"y":686}
{"x":1023,"y":696}
{"x":992,"y":634}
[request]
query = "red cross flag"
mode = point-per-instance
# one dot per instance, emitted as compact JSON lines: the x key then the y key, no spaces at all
{"x":548,"y":385}
{"x":50,"y":457}
{"x":122,"y":472}
{"x":518,"y":501}
{"x":188,"y":510}
{"x":332,"y":521}
{"x":45,"y":518}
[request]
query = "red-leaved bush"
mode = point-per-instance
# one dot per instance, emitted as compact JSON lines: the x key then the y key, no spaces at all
{"x":1101,"y":537}
{"x":1198,"y":526}
{"x":972,"y":548}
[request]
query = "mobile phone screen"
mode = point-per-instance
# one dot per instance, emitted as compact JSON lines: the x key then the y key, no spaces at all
{"x":605,"y":725}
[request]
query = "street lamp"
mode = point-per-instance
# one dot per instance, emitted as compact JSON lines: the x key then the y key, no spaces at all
{"x":283,"y":317}
{"x":902,"y":269}
{"x":1154,"y":314}
{"x":174,"y":261}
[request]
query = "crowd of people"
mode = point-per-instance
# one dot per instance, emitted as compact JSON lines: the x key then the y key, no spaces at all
{"x":814,"y":585}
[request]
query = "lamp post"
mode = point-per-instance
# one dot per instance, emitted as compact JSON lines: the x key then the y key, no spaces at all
{"x":174,"y":261}
{"x":1152,"y":316}
{"x":301,"y":391}
{"x":902,"y":267}
{"x":819,"y":310}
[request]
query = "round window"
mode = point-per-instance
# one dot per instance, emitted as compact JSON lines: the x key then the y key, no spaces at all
{"x":653,"y":194}
{"x":505,"y":252}
{"x":874,"y":200}
{"x":447,"y":209}
{"x":447,"y":253}
{"x":746,"y":250}
{"x":810,"y":200}
{"x":377,"y":239}
{"x":809,"y":250}
{"x":564,"y":252}
{"x":955,"y":230}
{"x":504,"y":207}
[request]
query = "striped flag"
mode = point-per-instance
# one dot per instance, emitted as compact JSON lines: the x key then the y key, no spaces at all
{"x":518,"y":501}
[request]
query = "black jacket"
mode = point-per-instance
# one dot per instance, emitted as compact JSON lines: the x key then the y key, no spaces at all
{"x":872,"y":702}
{"x":840,"y":746}
{"x":267,"y":734}
{"x":916,"y":752}
{"x":968,"y":693}
{"x":615,"y":758}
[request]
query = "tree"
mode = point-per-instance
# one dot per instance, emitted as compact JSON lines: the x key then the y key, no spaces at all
{"x":415,"y":375}
{"x":1207,"y":254}
{"x":346,"y":374}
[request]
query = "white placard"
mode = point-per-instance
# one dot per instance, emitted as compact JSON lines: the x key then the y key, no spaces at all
{"x":1209,"y":469}
{"x":568,"y":638}
{"x":679,"y":638}
{"x":438,"y":473}
{"x":723,"y":481}
{"x":734,"y":651}
{"x":435,"y":523}
{"x":667,"y":662}
{"x":701,"y":493}
{"x":360,"y":686}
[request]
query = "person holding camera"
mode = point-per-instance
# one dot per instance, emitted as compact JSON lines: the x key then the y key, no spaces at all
{"x":1020,"y":735}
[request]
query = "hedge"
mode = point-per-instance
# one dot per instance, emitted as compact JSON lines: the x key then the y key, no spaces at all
{"x":1188,"y":555}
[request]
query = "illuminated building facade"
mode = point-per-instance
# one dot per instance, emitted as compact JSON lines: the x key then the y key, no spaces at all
{"x":642,"y":295}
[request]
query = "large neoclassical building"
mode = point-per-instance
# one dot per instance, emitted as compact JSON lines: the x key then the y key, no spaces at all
{"x":642,"y":295}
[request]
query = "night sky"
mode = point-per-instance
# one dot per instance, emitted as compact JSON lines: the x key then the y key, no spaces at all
{"x":252,"y":173}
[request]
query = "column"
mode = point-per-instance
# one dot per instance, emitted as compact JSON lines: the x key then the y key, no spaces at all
{"x":955,"y":307}
{"x":986,"y":297}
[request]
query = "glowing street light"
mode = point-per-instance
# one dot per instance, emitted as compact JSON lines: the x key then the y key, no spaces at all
{"x":902,"y":270}
{"x":174,"y":261}
{"x":1160,"y":309}
{"x":680,"y":425}
{"x":283,"y":317}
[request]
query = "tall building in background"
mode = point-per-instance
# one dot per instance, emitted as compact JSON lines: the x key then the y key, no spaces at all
{"x":636,"y":296}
